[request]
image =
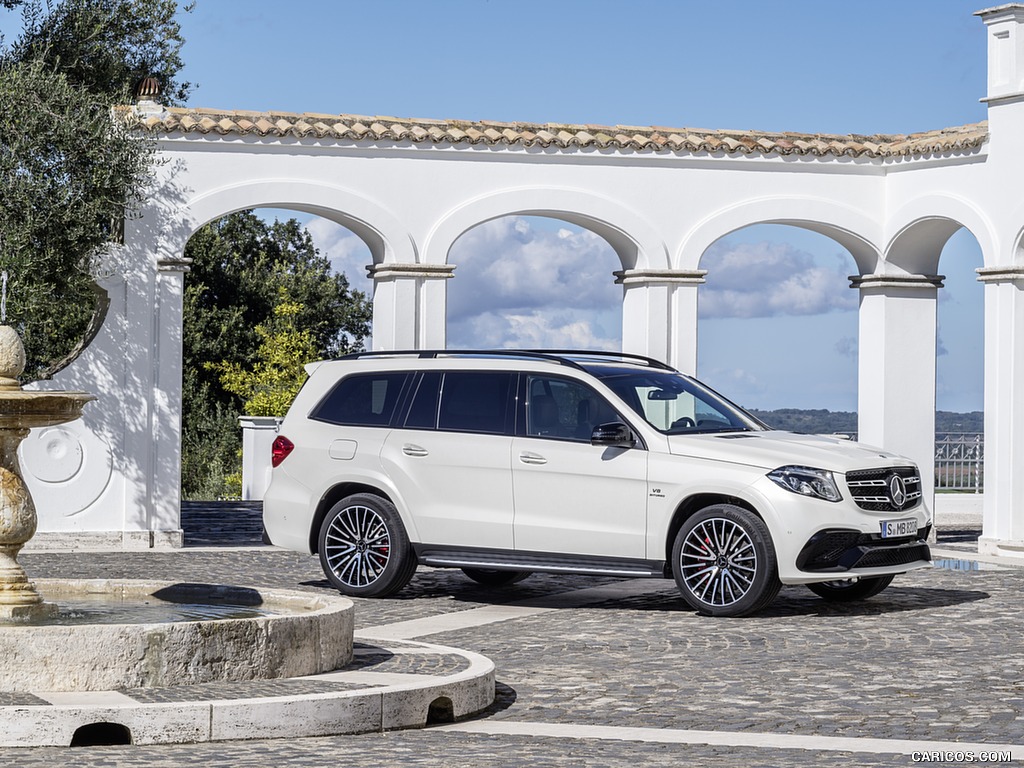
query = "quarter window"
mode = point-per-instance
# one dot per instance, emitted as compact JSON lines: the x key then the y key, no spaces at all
{"x":367,"y":400}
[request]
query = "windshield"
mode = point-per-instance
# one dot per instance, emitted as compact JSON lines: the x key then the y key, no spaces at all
{"x":675,"y":404}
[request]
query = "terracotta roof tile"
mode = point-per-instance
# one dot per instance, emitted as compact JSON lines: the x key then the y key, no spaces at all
{"x":176,"y":120}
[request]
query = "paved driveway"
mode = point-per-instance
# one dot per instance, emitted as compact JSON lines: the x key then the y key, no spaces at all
{"x":598,"y":672}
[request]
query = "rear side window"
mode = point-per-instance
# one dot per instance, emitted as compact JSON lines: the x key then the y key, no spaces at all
{"x":475,"y":401}
{"x":365,"y":399}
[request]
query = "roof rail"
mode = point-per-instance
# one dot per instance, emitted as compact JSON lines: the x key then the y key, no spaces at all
{"x":561,"y":356}
{"x":601,"y":353}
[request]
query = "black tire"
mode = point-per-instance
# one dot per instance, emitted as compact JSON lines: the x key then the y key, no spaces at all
{"x":850,"y":590}
{"x":364,"y":549}
{"x":494,"y":578}
{"x":723,"y":560}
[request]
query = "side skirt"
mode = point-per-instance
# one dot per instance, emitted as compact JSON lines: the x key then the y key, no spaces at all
{"x":438,"y":556}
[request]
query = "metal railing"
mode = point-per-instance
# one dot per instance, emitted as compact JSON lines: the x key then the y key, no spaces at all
{"x":960,"y":461}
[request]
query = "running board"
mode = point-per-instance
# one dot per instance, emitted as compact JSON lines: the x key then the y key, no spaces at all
{"x":541,"y":562}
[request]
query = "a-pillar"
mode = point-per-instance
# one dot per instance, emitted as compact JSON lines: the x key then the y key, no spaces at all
{"x":410,"y":305}
{"x":659,"y":314}
{"x":896,"y":376}
{"x":1003,"y":520}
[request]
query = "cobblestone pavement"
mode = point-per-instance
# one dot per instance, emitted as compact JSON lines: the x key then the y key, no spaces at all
{"x":936,"y":657}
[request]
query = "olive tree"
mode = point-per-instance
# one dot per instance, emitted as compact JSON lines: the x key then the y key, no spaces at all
{"x":70,"y":170}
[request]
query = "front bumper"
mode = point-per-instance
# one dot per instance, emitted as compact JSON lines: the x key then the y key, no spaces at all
{"x":838,"y":550}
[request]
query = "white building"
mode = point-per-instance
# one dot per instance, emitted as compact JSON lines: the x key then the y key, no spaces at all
{"x":660,"y":198}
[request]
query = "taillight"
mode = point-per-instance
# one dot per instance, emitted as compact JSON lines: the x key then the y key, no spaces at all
{"x":280,"y":450}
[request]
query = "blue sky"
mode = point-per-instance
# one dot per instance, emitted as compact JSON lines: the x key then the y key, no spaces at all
{"x":839,"y":67}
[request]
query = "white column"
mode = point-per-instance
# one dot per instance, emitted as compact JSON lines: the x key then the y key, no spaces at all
{"x":164,"y":527}
{"x":410,"y":304}
{"x":896,"y":375}
{"x":659,"y":314}
{"x":258,"y":435}
{"x":1003,"y":521}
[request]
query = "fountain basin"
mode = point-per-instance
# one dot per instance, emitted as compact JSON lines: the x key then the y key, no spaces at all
{"x":272,"y":634}
{"x":28,"y":409}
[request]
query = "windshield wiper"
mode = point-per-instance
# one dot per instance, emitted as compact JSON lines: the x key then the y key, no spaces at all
{"x":708,"y":430}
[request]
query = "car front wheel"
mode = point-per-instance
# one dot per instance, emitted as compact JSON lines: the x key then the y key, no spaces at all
{"x":724,"y":562}
{"x":364,"y":549}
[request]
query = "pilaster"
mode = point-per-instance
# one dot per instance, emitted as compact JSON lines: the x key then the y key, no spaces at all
{"x":659,"y":314}
{"x":165,"y":487}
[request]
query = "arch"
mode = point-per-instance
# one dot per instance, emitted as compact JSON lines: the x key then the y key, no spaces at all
{"x":441,"y":710}
{"x":634,"y":239}
{"x":381,"y":230}
{"x":853,"y":229}
{"x":1018,"y":247}
{"x":921,"y":228}
{"x":102,"y":734}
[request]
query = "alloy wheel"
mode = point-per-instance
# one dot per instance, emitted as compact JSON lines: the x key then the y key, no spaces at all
{"x":718,"y":562}
{"x":358,"y":546}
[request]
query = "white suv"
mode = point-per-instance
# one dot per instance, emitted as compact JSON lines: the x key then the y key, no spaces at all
{"x":504,"y":462}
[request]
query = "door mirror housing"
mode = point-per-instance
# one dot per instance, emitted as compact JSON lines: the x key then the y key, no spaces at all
{"x":614,"y":434}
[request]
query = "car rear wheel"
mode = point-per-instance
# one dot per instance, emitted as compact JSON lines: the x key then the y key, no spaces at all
{"x":364,"y":549}
{"x":490,"y":577}
{"x":724,"y":562}
{"x":849,"y":590}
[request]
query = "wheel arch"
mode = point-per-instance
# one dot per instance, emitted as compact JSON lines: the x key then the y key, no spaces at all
{"x":333,"y":495}
{"x":691,"y":506}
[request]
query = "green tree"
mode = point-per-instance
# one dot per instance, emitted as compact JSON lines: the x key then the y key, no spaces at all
{"x":269,"y":388}
{"x":69,"y":170}
{"x":106,"y":46}
{"x":240,"y":267}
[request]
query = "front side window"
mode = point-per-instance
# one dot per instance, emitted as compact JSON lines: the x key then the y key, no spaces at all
{"x":365,"y":399}
{"x":674,"y":404}
{"x":476,"y":401}
{"x":564,"y":409}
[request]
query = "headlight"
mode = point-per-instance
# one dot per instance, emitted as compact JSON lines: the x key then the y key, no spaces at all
{"x":806,"y":481}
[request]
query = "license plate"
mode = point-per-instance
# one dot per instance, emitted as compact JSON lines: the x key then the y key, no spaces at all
{"x":893,"y":529}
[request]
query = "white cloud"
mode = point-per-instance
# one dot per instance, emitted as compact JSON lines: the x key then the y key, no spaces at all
{"x":515,"y":284}
{"x":771,"y":279}
{"x":535,"y":329}
{"x":508,"y":265}
{"x":346,"y":252}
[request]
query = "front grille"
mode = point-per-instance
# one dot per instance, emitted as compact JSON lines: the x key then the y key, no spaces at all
{"x":870,"y":488}
{"x":840,"y":550}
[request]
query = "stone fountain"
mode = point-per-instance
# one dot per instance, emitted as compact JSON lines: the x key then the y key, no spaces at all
{"x":43,"y":648}
{"x":20,"y":410}
{"x":69,"y":676}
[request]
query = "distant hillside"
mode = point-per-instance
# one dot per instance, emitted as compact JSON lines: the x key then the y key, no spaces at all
{"x":826,"y":422}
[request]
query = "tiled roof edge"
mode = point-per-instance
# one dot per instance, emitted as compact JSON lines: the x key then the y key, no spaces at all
{"x":178,"y":120}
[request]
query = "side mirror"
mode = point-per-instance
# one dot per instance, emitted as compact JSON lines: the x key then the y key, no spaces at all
{"x":614,"y":434}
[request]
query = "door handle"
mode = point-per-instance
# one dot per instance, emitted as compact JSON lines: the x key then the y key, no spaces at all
{"x":528,"y":457}
{"x":410,"y":449}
